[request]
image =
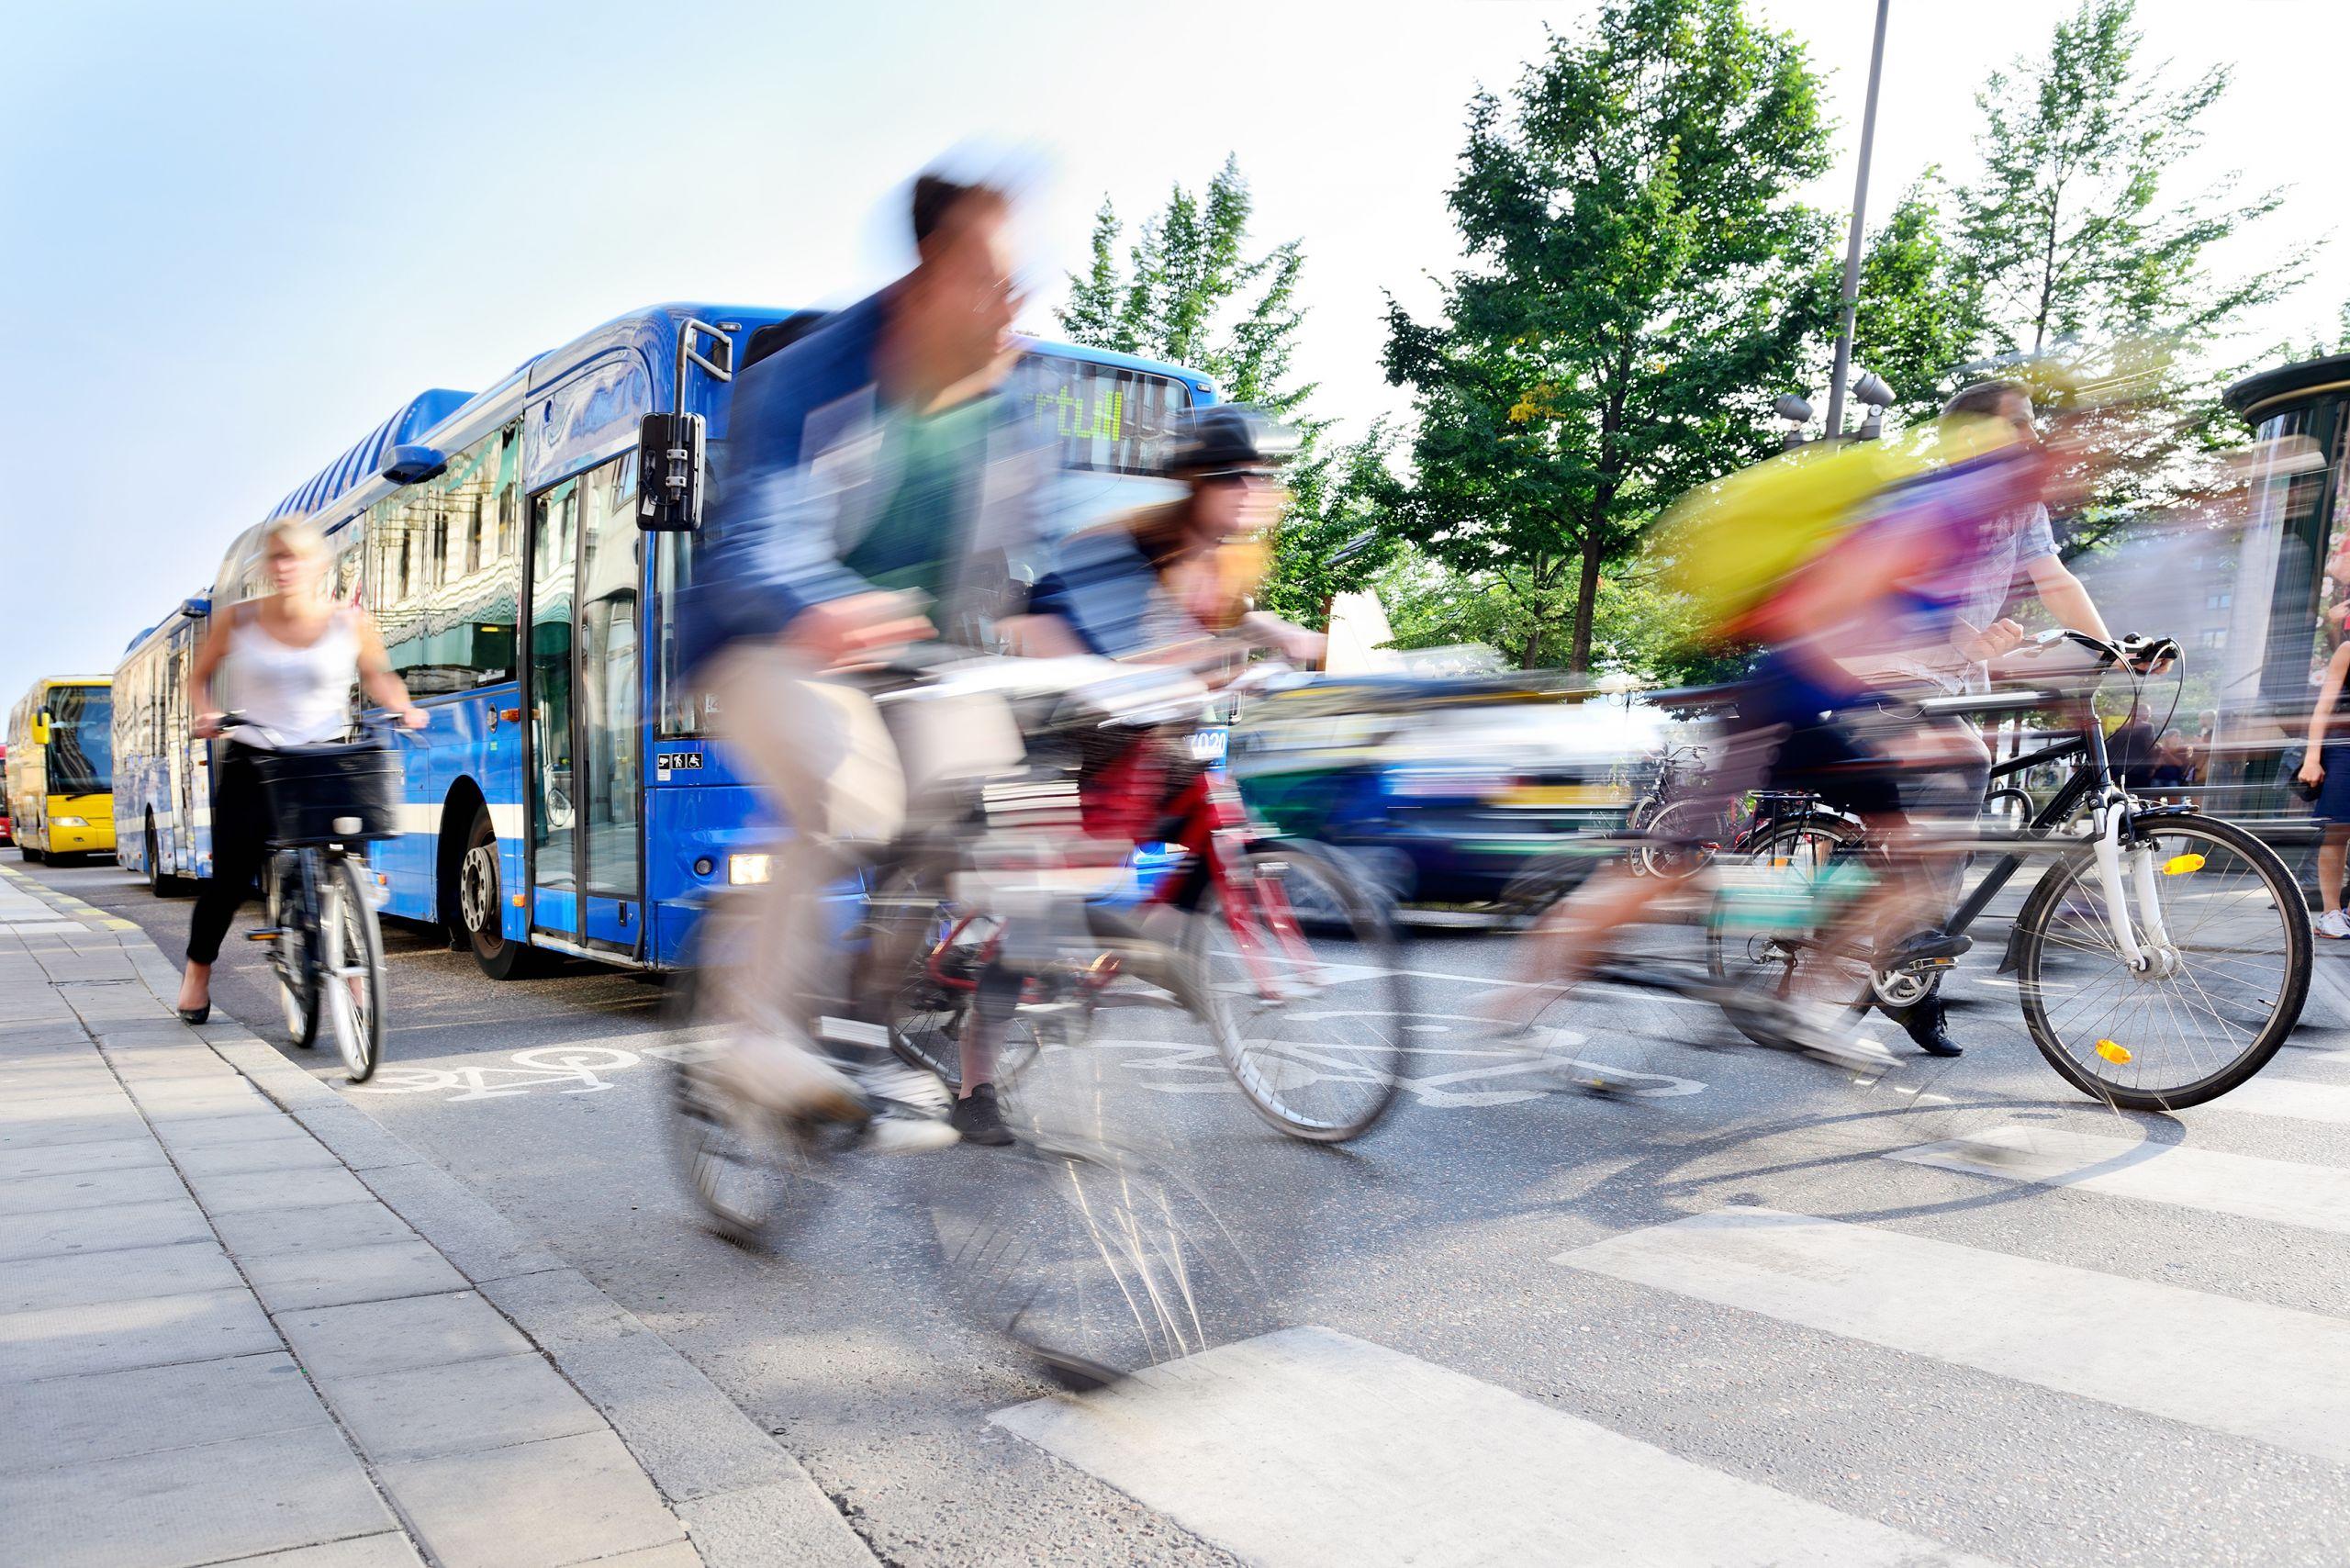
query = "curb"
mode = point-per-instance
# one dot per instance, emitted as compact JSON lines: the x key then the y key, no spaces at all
{"x":745,"y":1501}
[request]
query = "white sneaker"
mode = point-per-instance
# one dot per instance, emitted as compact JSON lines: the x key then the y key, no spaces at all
{"x":2334,"y":924}
{"x":786,"y":1076}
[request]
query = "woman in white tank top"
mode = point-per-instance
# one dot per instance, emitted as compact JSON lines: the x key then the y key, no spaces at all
{"x":286,"y":663}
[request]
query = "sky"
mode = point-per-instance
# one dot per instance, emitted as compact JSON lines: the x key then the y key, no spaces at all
{"x":241,"y":235}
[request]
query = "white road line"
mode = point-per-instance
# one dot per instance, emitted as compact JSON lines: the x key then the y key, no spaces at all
{"x":1309,"y":1447}
{"x":2316,"y":1197}
{"x":2264,"y":1373}
{"x":2268,"y":1095}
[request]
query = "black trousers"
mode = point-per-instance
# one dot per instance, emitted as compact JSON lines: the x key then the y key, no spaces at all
{"x":239,"y":850}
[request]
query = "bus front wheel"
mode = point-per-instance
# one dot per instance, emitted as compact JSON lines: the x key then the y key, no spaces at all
{"x":481,"y":905}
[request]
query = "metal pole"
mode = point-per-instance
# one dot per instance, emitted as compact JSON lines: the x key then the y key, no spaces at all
{"x":1853,"y":248}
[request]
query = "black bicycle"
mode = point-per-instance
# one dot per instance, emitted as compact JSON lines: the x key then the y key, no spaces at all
{"x":325,"y":804}
{"x":2162,"y":959}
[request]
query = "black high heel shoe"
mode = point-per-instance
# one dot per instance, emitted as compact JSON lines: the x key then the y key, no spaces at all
{"x":195,"y":1015}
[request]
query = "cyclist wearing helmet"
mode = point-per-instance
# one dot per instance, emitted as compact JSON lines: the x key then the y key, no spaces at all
{"x":1165,"y":583}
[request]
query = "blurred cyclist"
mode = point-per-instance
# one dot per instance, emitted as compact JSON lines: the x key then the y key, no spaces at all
{"x":1171,"y":583}
{"x":876,"y":488}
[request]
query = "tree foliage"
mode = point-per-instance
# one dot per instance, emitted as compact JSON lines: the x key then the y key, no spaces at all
{"x":1919,"y":317}
{"x":1188,"y":289}
{"x":1639,"y":289}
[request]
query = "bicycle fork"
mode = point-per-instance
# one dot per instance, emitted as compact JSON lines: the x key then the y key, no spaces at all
{"x":2123,"y":885}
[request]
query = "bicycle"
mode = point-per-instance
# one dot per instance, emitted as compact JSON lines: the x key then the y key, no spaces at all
{"x":2112,"y":947}
{"x":325,"y":947}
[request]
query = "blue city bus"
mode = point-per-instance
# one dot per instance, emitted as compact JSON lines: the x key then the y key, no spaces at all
{"x":162,"y":813}
{"x":566,"y":797}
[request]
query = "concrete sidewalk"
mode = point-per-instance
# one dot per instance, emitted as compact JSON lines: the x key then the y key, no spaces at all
{"x":241,"y":1323}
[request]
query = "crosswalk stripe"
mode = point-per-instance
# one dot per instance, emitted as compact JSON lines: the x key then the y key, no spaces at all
{"x":2209,"y":1361}
{"x":2268,"y":1095}
{"x":1312,"y":1446}
{"x":2315,"y":1197}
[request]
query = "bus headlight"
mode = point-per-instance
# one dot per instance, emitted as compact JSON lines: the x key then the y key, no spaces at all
{"x":747,"y":868}
{"x":69,"y":821}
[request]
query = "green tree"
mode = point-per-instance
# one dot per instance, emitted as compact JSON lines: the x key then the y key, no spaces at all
{"x":1639,"y":289}
{"x":1920,"y":320}
{"x":1189,"y":290}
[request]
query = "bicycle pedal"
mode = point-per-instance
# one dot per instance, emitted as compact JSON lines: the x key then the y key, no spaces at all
{"x":263,"y":936}
{"x":1924,"y":964}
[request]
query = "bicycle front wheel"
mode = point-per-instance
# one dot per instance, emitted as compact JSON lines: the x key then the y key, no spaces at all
{"x":291,"y":898}
{"x":2225,"y":992}
{"x":1297,"y":974}
{"x":351,"y":972}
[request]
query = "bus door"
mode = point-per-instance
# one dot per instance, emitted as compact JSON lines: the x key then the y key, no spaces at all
{"x":587,"y":778}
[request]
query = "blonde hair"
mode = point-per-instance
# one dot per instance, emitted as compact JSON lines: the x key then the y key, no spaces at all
{"x":297,"y":534}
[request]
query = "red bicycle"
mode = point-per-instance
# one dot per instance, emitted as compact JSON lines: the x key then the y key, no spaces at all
{"x":1276,"y":945}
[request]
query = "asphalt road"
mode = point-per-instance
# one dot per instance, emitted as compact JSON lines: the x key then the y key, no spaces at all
{"x":1729,"y":1312}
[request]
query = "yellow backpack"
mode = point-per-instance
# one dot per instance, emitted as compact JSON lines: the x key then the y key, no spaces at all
{"x":1730,"y":544}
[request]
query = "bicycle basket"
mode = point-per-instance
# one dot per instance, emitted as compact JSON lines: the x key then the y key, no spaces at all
{"x":330,"y":794}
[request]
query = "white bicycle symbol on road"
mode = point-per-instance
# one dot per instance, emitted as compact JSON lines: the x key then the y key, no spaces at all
{"x":581,"y":1067}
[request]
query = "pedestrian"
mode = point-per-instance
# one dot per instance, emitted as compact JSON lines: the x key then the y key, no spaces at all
{"x":284,"y":664}
{"x":2325,"y":774}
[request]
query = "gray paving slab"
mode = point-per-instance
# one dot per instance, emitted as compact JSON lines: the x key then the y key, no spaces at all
{"x":90,"y":1190}
{"x":99,"y":1101}
{"x":62,"y":1341}
{"x":263,"y":1122}
{"x":338,"y":1276}
{"x":247,"y":1191}
{"x":266,"y":1154}
{"x":366,"y":1337}
{"x":120,"y":1120}
{"x":53,"y":1079}
{"x":182,"y":1099}
{"x":102,"y":1416}
{"x":270,"y":1233}
{"x":357,"y":1139}
{"x":426,"y":1412}
{"x":184,"y":1507}
{"x":543,"y":1504}
{"x":472,"y":1235}
{"x":79,"y":1278}
{"x":365,"y":1551}
{"x":772,"y":1526}
{"x":677,"y":1554}
{"x":60,"y":1159}
{"x":102,"y":1230}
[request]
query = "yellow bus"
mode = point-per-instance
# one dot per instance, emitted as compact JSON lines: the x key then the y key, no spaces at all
{"x":61,"y":767}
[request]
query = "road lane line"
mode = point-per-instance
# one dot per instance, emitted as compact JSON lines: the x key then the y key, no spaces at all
{"x":2315,"y":1197}
{"x":2264,"y":1373}
{"x":1309,"y":1447}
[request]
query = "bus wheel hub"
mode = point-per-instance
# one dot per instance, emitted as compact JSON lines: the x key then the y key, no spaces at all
{"x":477,"y":888}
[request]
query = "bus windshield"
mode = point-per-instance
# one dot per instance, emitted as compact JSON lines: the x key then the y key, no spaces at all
{"x":81,"y":740}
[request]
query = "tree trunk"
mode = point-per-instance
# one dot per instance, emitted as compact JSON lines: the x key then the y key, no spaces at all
{"x":1586,"y":605}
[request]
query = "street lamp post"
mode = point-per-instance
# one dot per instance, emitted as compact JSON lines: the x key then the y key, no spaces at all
{"x":1853,"y":247}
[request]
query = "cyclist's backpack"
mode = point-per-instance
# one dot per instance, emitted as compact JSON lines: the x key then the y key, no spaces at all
{"x":1731,"y":543}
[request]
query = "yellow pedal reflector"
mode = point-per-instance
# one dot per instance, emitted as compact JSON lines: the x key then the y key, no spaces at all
{"x":2113,"y":1052}
{"x":2180,"y":865}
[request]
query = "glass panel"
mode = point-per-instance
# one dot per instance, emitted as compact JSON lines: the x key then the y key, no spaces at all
{"x":611,"y":772}
{"x":554,"y":526}
{"x":81,"y":740}
{"x":446,"y":582}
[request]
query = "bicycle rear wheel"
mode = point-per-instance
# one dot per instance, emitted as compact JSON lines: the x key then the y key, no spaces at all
{"x":1762,"y":933}
{"x":351,"y":972}
{"x":290,"y":897}
{"x":920,"y":965}
{"x":1300,"y":983}
{"x":2218,"y":1005}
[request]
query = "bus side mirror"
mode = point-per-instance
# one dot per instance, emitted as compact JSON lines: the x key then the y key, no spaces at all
{"x":40,"y":727}
{"x":414,"y":464}
{"x":669,"y":470}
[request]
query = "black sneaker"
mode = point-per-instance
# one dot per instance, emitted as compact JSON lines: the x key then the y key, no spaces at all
{"x":1926,"y":1026}
{"x":1926,"y":947}
{"x":979,"y":1119}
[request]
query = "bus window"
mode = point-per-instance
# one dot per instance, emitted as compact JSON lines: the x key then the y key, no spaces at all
{"x":444,"y":580}
{"x":81,"y":740}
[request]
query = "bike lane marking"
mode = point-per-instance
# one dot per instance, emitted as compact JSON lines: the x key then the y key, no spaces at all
{"x":1433,"y":1468}
{"x":2269,"y":1373}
